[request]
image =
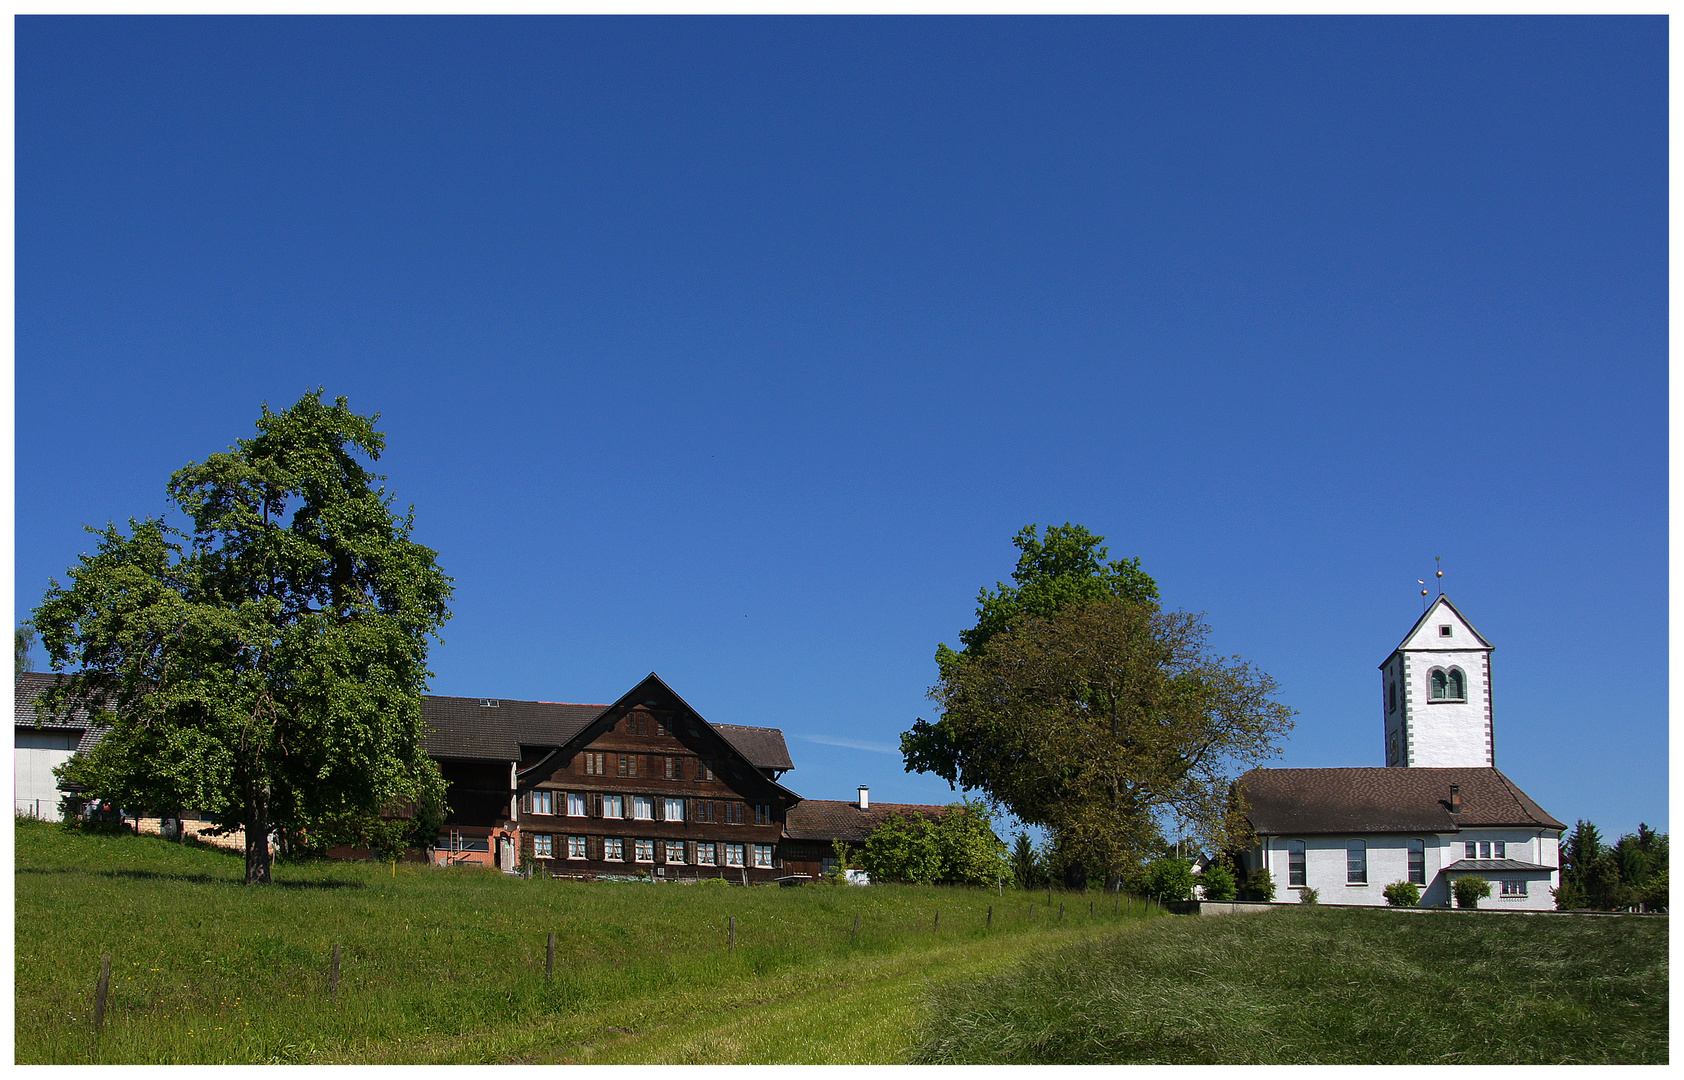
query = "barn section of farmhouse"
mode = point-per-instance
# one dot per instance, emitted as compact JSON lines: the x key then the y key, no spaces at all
{"x":645,"y":786}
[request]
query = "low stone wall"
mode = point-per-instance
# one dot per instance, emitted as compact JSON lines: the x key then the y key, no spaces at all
{"x":232,"y":841}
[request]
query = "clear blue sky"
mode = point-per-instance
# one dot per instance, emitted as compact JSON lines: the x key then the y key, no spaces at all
{"x":738,"y":349}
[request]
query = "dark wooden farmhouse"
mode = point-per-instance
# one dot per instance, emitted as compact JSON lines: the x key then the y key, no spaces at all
{"x":643,"y":787}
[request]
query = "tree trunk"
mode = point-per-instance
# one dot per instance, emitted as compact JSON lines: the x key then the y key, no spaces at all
{"x":257,"y":837}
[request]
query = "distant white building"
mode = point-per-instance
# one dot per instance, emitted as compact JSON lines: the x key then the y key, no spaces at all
{"x":1439,"y":810}
{"x":41,"y":745}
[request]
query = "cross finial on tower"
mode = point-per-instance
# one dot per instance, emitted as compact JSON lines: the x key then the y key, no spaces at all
{"x":1437,"y":562}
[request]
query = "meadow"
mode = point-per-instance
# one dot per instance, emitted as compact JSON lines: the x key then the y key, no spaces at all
{"x":1332,"y":986}
{"x":450,"y":965}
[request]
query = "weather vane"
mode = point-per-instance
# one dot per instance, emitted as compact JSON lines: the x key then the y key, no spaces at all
{"x":1438,"y":562}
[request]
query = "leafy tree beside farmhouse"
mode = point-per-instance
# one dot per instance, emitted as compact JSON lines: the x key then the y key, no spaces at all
{"x":1080,"y":705}
{"x":957,"y":848}
{"x":268,"y":664}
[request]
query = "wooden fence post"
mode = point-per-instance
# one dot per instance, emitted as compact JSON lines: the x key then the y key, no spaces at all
{"x":733,"y":931}
{"x":1090,"y":909}
{"x":549,"y":957}
{"x":1061,"y":911}
{"x":990,"y":917}
{"x":1031,"y":911}
{"x":937,"y":924}
{"x":101,"y":988}
{"x":856,"y":931}
{"x":333,"y":974}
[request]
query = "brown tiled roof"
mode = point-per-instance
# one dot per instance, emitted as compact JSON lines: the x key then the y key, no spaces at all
{"x":764,"y":747}
{"x":465,"y":729}
{"x":1377,"y":800}
{"x":825,"y":819}
{"x":25,"y":694}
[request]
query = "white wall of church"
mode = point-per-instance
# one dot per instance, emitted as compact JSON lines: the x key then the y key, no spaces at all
{"x":1326,"y":868}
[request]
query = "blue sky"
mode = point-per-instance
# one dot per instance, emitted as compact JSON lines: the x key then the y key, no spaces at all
{"x":738,"y":349}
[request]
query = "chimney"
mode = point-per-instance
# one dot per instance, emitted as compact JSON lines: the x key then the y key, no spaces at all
{"x":865,"y":797}
{"x":1455,"y":798}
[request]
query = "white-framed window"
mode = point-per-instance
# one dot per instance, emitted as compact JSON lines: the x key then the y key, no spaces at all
{"x":645,"y":851}
{"x":614,"y":806}
{"x":614,"y":849}
{"x":1470,"y":849}
{"x":543,"y":802}
{"x":575,"y":847}
{"x":733,"y":854}
{"x":763,"y":855}
{"x":1356,"y":862}
{"x":1512,"y":888}
{"x":704,"y":854}
{"x":1499,"y":849}
{"x":675,"y":851}
{"x":1444,"y":630}
{"x":643,"y":807}
{"x":1294,"y":863}
{"x":1418,"y":861}
{"x":675,"y":810}
{"x":540,"y":847}
{"x":1485,"y":849}
{"x":1449,"y":685}
{"x":575,"y":804}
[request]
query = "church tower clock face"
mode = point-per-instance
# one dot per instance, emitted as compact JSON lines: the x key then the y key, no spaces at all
{"x":1437,"y":694}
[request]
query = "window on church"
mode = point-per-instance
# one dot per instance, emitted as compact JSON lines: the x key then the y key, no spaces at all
{"x":1294,"y":863}
{"x":1418,"y":861}
{"x":1513,"y":888}
{"x":1391,"y":697}
{"x":1440,"y":685}
{"x":1356,"y":863}
{"x":1443,"y":631}
{"x":1458,"y":685}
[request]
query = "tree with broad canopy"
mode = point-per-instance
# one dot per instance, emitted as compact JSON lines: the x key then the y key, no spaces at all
{"x":1080,"y":705}
{"x":268,"y":665}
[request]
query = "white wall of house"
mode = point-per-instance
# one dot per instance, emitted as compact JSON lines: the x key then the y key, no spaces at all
{"x":36,"y":753}
{"x":1387,"y":858}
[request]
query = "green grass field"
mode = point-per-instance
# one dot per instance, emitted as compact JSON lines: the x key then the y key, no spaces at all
{"x":448,"y":966}
{"x":1326,"y":986}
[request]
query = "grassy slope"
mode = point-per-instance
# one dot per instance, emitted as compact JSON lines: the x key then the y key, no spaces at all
{"x":1327,"y":986}
{"x":448,"y":966}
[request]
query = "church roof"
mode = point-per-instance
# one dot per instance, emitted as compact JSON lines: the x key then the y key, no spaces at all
{"x":1381,"y":800}
{"x":1427,"y":614}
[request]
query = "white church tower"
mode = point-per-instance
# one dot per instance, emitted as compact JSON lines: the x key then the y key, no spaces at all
{"x":1437,"y":692}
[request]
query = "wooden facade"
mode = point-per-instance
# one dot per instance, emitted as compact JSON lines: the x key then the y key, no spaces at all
{"x":644,"y":787}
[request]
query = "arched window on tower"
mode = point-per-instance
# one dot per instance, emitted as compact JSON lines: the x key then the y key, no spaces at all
{"x":1458,"y":685}
{"x":1438,"y":685}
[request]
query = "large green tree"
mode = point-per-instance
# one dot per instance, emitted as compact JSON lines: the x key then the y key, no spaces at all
{"x":1080,"y":705}
{"x":268,"y":663}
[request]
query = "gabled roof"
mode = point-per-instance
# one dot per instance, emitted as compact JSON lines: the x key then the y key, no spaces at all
{"x":27,"y":692}
{"x":1284,"y":802}
{"x":654,"y":694}
{"x":1426,"y":615}
{"x":826,"y":819}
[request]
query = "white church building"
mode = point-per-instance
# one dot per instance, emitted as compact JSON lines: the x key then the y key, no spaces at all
{"x":1439,"y":810}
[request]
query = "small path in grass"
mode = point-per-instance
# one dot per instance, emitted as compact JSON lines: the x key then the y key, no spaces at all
{"x":866,"y":1010}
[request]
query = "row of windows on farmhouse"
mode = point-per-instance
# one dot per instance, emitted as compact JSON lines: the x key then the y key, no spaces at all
{"x":654,"y":766}
{"x":1356,"y":862}
{"x":644,"y":807}
{"x":667,"y":852}
{"x":1442,"y":685}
